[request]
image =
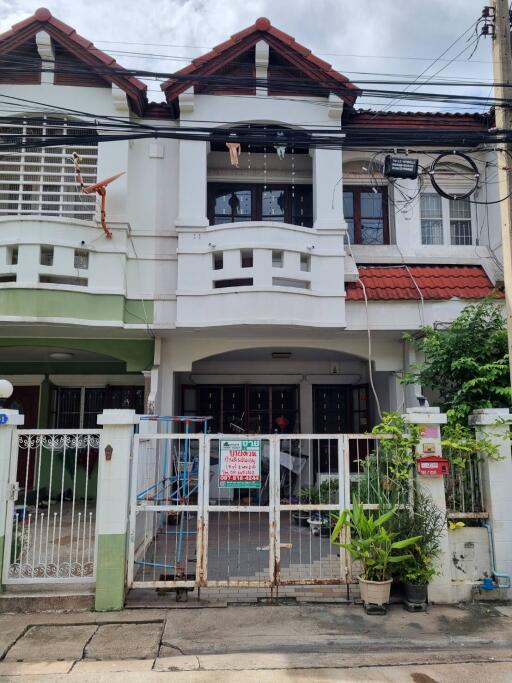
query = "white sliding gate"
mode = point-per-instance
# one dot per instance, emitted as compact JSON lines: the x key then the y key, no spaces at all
{"x":187,"y":530}
{"x":50,"y":529}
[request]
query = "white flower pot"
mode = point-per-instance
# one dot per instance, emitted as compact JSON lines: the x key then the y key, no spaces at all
{"x":375,"y":592}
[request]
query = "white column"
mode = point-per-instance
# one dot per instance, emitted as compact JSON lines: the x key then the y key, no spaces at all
{"x":430,"y":420}
{"x":8,"y":432}
{"x":192,"y":185}
{"x":112,"y":506}
{"x":327,"y":189}
{"x":494,"y":424}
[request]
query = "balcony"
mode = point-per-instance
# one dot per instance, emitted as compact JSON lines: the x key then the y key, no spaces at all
{"x":260,"y":273}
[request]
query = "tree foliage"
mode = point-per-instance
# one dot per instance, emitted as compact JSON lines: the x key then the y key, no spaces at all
{"x":467,"y":362}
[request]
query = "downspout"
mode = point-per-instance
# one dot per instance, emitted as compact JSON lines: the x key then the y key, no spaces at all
{"x":154,"y":372}
{"x":492,"y":555}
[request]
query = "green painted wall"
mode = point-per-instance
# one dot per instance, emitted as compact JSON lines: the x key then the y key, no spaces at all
{"x":110,"y":572}
{"x":136,"y":354}
{"x":48,"y":303}
{"x":43,"y":420}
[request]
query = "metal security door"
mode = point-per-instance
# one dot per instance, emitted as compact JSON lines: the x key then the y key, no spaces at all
{"x":166,"y":513}
{"x":51,"y":514}
{"x":240,"y":527}
{"x":189,"y":530}
{"x":313,"y":485}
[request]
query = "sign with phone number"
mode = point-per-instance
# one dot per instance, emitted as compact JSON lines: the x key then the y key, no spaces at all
{"x":240,"y":463}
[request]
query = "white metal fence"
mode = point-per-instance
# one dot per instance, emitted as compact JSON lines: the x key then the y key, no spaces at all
{"x":50,"y":534}
{"x":463,"y":489}
{"x":189,"y":530}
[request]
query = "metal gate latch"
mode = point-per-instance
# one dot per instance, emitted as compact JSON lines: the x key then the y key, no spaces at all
{"x":14,"y":489}
{"x":281,"y":545}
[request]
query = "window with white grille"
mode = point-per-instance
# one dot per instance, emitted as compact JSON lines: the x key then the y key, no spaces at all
{"x":431,"y":218}
{"x":460,"y":221}
{"x":41,"y":181}
{"x":445,"y":221}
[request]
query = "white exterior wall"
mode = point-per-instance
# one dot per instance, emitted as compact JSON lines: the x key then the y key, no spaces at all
{"x":139,"y":262}
{"x":405,"y":220}
{"x":162,"y":243}
{"x":199,"y":304}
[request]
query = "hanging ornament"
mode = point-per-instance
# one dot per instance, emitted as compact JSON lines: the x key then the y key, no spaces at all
{"x":249,"y":157}
{"x":280,"y":147}
{"x":265,"y":166}
{"x":75,"y":157}
{"x":234,"y":151}
{"x":293,"y":172}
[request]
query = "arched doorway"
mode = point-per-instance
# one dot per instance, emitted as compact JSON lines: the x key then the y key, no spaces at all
{"x":277,"y":389}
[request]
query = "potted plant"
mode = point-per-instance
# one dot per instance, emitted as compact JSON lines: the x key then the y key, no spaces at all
{"x":374,"y":546}
{"x":429,"y":523}
{"x":327,"y":493}
{"x":309,"y":495}
{"x":416,"y":577}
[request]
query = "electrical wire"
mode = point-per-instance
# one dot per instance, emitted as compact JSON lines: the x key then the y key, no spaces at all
{"x":368,"y":330}
{"x":291,"y":85}
{"x":462,"y":35}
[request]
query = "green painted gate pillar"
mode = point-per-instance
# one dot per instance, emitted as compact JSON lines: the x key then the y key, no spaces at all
{"x":8,"y":432}
{"x":112,"y":507}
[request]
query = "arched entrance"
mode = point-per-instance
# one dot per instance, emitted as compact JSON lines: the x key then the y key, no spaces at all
{"x":278,"y":390}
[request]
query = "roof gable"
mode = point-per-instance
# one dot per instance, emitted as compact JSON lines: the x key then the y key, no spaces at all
{"x":83,"y":51}
{"x":290,"y":55}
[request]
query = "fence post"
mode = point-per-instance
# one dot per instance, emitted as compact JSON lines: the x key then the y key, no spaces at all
{"x":430,"y":420}
{"x":112,"y":507}
{"x":8,"y":432}
{"x":494,"y":424}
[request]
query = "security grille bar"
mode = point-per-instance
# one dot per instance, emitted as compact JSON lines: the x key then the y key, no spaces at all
{"x":42,"y":181}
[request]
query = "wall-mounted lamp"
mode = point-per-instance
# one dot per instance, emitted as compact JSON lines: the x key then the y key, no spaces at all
{"x":6,"y":388}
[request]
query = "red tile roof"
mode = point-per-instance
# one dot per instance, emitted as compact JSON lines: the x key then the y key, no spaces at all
{"x":286,"y":45}
{"x":439,"y":120}
{"x":79,"y":46}
{"x":401,"y":283}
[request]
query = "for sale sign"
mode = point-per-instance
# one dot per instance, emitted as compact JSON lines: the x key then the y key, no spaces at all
{"x":240,"y":463}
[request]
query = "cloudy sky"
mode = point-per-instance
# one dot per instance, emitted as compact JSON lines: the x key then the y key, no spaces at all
{"x":385,"y":37}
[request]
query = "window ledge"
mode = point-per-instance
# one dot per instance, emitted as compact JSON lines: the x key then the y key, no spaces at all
{"x":259,"y":224}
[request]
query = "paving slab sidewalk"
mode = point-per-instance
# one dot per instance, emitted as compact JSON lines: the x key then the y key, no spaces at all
{"x":289,"y":631}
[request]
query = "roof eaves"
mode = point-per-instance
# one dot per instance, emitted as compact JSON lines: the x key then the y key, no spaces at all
{"x":81,"y":47}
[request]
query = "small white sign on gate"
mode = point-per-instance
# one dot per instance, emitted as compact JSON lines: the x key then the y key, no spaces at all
{"x":240,"y":463}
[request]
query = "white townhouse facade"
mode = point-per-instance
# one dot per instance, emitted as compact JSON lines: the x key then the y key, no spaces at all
{"x":231,"y":285}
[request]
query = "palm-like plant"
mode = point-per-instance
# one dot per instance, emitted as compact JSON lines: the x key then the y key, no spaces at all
{"x":371,"y":542}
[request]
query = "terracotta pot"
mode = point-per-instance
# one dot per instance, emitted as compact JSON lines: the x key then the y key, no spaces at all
{"x":375,"y":592}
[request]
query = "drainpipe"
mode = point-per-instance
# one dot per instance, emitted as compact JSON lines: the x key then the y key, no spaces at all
{"x":496,"y":575}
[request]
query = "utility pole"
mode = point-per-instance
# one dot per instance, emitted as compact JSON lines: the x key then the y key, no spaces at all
{"x":502,"y":65}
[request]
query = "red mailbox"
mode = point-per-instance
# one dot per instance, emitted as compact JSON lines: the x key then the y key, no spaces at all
{"x":433,"y":465}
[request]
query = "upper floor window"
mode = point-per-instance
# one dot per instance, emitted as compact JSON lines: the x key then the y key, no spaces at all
{"x":445,"y":221}
{"x":37,"y":181}
{"x":431,"y":218}
{"x":235,"y":203}
{"x":460,"y":221}
{"x":365,"y":211}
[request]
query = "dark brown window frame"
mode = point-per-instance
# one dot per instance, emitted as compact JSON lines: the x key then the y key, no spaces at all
{"x":246,"y":408}
{"x":256,"y":198}
{"x":356,"y":191}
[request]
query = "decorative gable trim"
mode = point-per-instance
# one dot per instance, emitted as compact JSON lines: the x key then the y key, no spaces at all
{"x":81,"y":48}
{"x":285,"y":45}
